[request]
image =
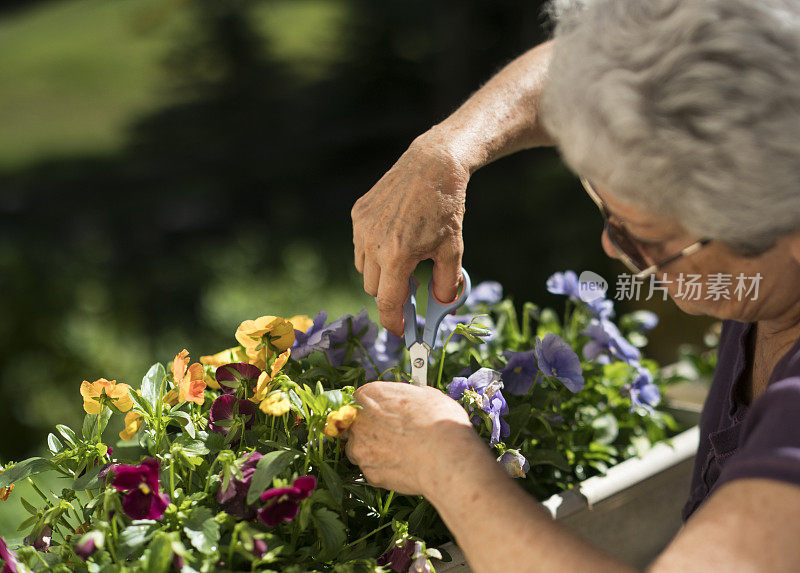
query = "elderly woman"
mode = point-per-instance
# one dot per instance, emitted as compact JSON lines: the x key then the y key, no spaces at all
{"x":682,"y":119}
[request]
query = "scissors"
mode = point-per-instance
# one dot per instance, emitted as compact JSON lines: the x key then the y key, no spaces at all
{"x":418,"y":346}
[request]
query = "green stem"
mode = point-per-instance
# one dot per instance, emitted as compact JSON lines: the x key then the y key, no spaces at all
{"x":368,"y":535}
{"x":386,"y":505}
{"x":234,"y":539}
{"x":527,"y":309}
{"x":37,"y":490}
{"x":171,"y":478}
{"x":441,"y":361}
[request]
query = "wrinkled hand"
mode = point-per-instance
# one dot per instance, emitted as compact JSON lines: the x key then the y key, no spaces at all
{"x":404,"y":436}
{"x":415,"y":212}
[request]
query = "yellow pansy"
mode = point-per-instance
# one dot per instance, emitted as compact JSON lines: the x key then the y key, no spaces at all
{"x":301,"y":322}
{"x":339,"y":420}
{"x":265,"y":378}
{"x":115,"y":394}
{"x":275,"y":405}
{"x":133,"y":421}
{"x":253,"y":334}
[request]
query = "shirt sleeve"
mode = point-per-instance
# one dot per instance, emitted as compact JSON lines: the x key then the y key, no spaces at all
{"x":769,"y":444}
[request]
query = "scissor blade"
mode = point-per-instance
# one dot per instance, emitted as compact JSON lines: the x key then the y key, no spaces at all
{"x":419,"y":354}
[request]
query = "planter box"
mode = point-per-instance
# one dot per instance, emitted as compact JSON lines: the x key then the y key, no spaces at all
{"x":633,"y":511}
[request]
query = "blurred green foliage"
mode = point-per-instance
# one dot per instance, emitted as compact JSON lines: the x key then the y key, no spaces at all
{"x":169,"y":168}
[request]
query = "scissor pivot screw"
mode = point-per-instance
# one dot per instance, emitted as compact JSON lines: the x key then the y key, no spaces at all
{"x":419,"y":362}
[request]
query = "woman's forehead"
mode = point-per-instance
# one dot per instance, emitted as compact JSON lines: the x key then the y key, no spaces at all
{"x":634,"y":215}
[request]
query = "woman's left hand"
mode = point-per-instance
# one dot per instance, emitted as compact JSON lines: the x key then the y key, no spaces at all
{"x":404,"y":436}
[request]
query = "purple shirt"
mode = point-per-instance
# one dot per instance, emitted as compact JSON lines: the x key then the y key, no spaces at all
{"x":761,"y":440}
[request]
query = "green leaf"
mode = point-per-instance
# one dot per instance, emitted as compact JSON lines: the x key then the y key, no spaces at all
{"x":151,"y":384}
{"x":54,"y":444}
{"x":28,"y":522}
{"x":29,"y":467}
{"x":332,"y":482}
{"x":184,"y":420}
{"x":134,"y":537}
{"x":67,"y":433}
{"x":91,"y":421}
{"x":29,"y":506}
{"x":267,"y":468}
{"x":331,"y":531}
{"x":192,"y":446}
{"x":142,"y":403}
{"x":202,"y":530}
{"x":89,"y":480}
{"x":158,"y":558}
{"x":548,"y":457}
{"x":606,"y":429}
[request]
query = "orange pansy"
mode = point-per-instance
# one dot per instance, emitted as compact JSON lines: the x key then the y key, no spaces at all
{"x":133,"y":421}
{"x":6,"y":491}
{"x":188,"y":379}
{"x":115,"y":394}
{"x":253,"y":335}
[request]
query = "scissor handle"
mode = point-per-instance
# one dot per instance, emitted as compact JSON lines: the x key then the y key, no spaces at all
{"x":410,"y":314}
{"x":437,"y":311}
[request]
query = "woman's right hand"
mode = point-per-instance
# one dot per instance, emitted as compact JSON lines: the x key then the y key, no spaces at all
{"x":414,"y":212}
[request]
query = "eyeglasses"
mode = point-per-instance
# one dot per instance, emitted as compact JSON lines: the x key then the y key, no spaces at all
{"x":630,"y":250}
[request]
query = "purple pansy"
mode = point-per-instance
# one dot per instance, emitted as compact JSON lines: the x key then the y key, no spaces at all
{"x":565,"y":283}
{"x":487,"y":292}
{"x":142,"y":498}
{"x":259,"y":548}
{"x":519,"y":373}
{"x":601,"y":308}
{"x":335,"y":339}
{"x":89,"y":544}
{"x":283,"y":503}
{"x":385,"y":353}
{"x":231,"y":376}
{"x":486,"y":386}
{"x":398,"y":558}
{"x":557,"y":359}
{"x":644,"y":392}
{"x":514,"y":463}
{"x":222,"y":410}
{"x":420,"y":563}
{"x":607,"y":341}
{"x":304,"y":342}
{"x":233,"y":499}
{"x":42,"y":541}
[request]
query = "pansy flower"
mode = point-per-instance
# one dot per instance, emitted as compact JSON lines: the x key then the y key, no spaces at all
{"x":276,"y":404}
{"x":306,"y":339}
{"x":188,"y":379}
{"x":133,"y":421}
{"x":385,"y":353}
{"x":643,"y":391}
{"x":223,"y":410}
{"x":514,"y":463}
{"x":41,"y":542}
{"x":142,"y":498}
{"x":484,"y":388}
{"x":10,"y":558}
{"x":231,"y":376}
{"x":348,"y":335}
{"x":557,"y":359}
{"x":264,"y":382}
{"x":565,"y":283}
{"x":486,"y":292}
{"x":233,"y":498}
{"x":519,"y":373}
{"x":213,"y":361}
{"x":105,"y":392}
{"x":257,"y":335}
{"x":283,"y":503}
{"x":89,"y":543}
{"x":398,"y":558}
{"x":339,"y":421}
{"x":607,"y":341}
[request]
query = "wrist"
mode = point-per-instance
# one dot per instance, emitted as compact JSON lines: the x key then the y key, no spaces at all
{"x":455,"y":144}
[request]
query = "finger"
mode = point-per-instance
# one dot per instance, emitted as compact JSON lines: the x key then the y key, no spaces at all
{"x":358,"y":259}
{"x":447,"y":273}
{"x":392,"y":294}
{"x":372,"y":277}
{"x":348,"y":450}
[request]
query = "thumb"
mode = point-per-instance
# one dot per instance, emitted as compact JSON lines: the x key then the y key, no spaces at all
{"x":447,"y":275}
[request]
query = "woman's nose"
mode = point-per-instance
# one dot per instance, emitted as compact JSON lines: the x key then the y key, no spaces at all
{"x":608,"y":247}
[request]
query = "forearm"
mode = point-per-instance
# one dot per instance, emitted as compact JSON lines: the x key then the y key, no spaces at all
{"x":501,"y":117}
{"x":500,"y":527}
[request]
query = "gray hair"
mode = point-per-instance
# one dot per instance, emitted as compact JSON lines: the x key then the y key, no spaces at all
{"x":690,"y":108}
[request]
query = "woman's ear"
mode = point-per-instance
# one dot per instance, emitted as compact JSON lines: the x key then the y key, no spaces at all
{"x":793,"y":241}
